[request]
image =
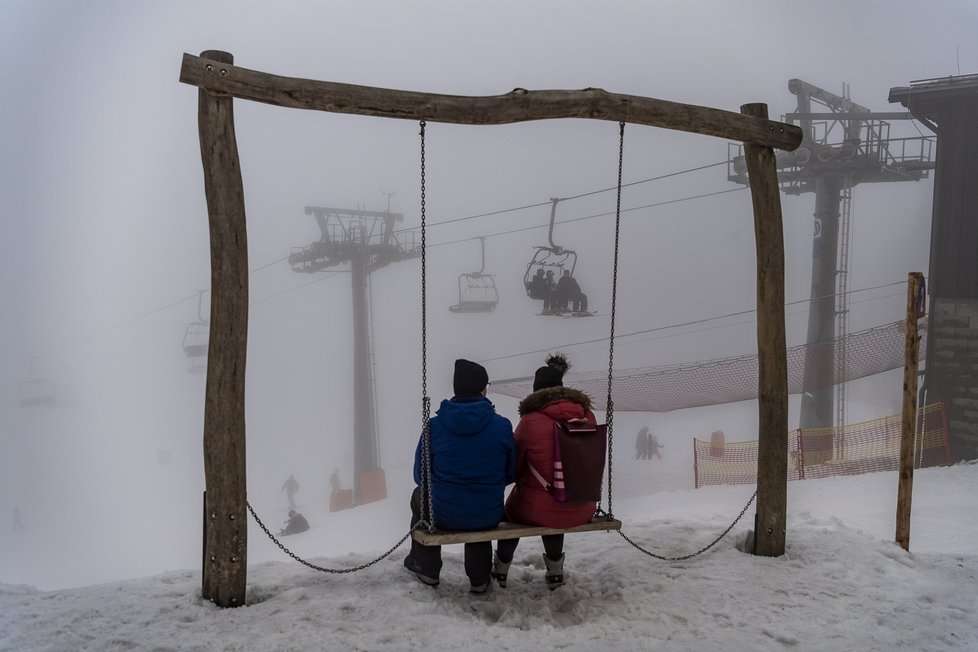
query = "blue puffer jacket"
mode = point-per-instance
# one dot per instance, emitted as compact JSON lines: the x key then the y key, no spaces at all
{"x":473,"y":459}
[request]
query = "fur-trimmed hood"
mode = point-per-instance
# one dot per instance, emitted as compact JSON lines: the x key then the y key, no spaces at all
{"x":535,"y":401}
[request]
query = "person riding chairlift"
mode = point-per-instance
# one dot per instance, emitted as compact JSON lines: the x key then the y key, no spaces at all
{"x":550,"y":303}
{"x":568,"y":294}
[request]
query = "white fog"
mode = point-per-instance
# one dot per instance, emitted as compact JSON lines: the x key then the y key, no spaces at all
{"x":105,"y":242}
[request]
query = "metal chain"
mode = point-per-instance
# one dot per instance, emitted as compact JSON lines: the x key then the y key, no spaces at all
{"x":610,"y":407}
{"x":427,"y":515}
{"x":320,"y":568}
{"x":701,"y":550}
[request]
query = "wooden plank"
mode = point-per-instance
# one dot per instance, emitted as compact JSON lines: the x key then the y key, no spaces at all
{"x":508,"y":531}
{"x":519,"y":105}
{"x":772,"y":355}
{"x":911,"y":355}
{"x":226,"y":534}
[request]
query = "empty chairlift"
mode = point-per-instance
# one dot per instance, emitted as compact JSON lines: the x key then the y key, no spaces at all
{"x":37,"y":392}
{"x":195,"y":339}
{"x":477,"y":291}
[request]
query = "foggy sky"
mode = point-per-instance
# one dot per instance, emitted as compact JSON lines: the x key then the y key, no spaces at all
{"x":105,"y":243}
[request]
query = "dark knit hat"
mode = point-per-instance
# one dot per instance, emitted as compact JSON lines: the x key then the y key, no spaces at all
{"x":551,"y":375}
{"x":470,"y":378}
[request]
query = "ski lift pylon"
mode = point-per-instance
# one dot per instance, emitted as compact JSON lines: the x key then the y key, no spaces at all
{"x":477,"y":291}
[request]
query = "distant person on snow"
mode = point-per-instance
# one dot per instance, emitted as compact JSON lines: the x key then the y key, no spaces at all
{"x":18,"y":524}
{"x":642,"y":444}
{"x":290,"y":488}
{"x":297,"y":523}
{"x":334,"y":480}
{"x":654,"y":446}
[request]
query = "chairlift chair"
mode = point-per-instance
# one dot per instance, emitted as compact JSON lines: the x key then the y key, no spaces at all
{"x":477,"y":291}
{"x":38,"y":392}
{"x":547,"y":259}
{"x":195,"y":339}
{"x":552,"y":258}
{"x":195,"y":345}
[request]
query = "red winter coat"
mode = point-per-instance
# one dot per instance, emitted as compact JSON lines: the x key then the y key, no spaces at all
{"x":529,"y":502}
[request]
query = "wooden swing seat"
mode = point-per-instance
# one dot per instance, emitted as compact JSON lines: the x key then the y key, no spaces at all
{"x":508,"y":531}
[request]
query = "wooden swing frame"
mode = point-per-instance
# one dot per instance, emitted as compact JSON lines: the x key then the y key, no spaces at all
{"x":224,"y":573}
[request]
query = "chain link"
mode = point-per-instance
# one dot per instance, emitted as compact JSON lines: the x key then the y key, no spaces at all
{"x":610,"y":406}
{"x":701,"y":550}
{"x":428,"y":511}
{"x":320,"y":568}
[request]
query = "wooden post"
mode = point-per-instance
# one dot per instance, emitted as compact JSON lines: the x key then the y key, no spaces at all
{"x":772,"y":456}
{"x":911,"y":354}
{"x":226,"y":534}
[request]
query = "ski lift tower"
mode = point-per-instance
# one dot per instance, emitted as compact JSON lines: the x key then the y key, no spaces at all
{"x":843,"y":146}
{"x":365,"y":240}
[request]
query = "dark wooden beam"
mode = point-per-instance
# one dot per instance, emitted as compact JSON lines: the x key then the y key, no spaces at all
{"x":519,"y":105}
{"x":772,"y":357}
{"x":226,"y":534}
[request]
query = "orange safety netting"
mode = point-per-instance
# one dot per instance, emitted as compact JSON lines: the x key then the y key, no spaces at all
{"x":823,"y":452}
{"x":728,"y":380}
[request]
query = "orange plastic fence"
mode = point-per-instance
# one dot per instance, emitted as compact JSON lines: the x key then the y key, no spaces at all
{"x":823,"y":452}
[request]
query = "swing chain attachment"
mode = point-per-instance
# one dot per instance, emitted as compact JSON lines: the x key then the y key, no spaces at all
{"x":428,"y":510}
{"x":320,"y":568}
{"x":701,"y":550}
{"x":610,"y":405}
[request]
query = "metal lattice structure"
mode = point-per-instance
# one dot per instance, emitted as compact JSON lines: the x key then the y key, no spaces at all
{"x":729,"y":380}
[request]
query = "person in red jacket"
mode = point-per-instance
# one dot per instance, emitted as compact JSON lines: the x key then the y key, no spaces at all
{"x":529,"y":502}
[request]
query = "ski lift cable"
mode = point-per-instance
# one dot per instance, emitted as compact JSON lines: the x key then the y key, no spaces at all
{"x":471,"y":217}
{"x":589,"y":217}
{"x":679,"y":325}
{"x":598,"y":345}
{"x":150,"y":313}
{"x":585,"y":194}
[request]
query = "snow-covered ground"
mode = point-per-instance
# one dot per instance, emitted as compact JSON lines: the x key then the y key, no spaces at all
{"x":842,"y":584}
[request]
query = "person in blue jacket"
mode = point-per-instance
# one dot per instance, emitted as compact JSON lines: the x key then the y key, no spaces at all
{"x":473,"y":459}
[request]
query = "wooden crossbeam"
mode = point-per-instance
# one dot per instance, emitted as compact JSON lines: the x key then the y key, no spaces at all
{"x":508,"y":531}
{"x":519,"y":105}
